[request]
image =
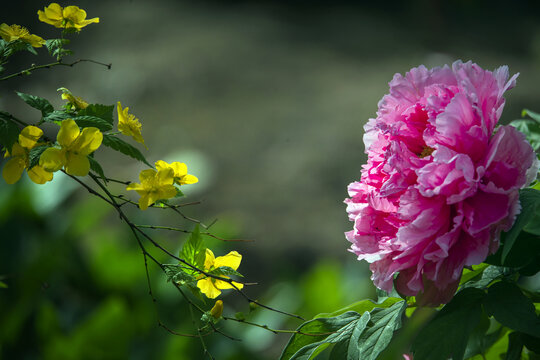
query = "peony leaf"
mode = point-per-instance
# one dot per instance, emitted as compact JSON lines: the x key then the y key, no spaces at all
{"x":531,"y":129}
{"x":529,"y":200}
{"x":447,"y":334}
{"x":510,"y":307}
{"x":362,"y":306}
{"x":515,"y":347}
{"x":325,"y":331}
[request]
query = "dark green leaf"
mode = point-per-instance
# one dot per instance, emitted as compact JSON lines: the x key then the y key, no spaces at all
{"x":34,"y":155}
{"x":510,"y":307}
{"x":96,"y":167}
{"x":363,"y":306}
{"x":92,"y":121}
{"x":348,"y":348}
{"x":380,"y":330}
{"x":515,"y":347}
{"x":104,"y":112}
{"x":37,"y":102}
{"x":447,"y":334}
{"x":531,"y":129}
{"x":57,"y":116}
{"x":225,"y":271}
{"x":53,"y":44}
{"x":532,"y":343}
{"x":322,"y":332}
{"x":122,"y":146}
{"x":529,"y":200}
{"x":176,"y":274}
{"x":9,"y":131}
{"x":486,"y":277}
{"x":479,"y":342}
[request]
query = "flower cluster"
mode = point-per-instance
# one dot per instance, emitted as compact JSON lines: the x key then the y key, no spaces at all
{"x":441,"y":181}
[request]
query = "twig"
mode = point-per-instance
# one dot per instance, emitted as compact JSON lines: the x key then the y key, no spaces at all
{"x":50,"y":65}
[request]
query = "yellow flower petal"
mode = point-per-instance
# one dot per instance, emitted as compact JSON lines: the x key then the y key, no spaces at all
{"x":13,"y":170}
{"x":88,"y":141}
{"x":147,"y":177}
{"x":217,"y":310}
{"x":34,"y":40}
{"x":223,"y":285}
{"x":207,"y":288}
{"x":231,"y":260}
{"x":18,"y":150}
{"x":39,"y":175}
{"x":166,"y":192}
{"x":134,"y":186}
{"x":209,"y":259}
{"x":180,"y":169}
{"x":165,"y":177}
{"x":29,"y":136}
{"x":53,"y":159}
{"x":187,"y":179}
{"x":161,"y":165}
{"x":77,"y":164}
{"x":52,"y":15}
{"x":69,"y":132}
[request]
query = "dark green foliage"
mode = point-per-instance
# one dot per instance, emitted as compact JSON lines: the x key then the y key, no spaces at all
{"x":57,"y":116}
{"x":447,"y":334}
{"x":37,"y":102}
{"x":125,"y":148}
{"x":9,"y":131}
{"x":194,"y":251}
{"x":34,"y":155}
{"x":92,"y":121}
{"x":510,"y":307}
{"x":104,"y":112}
{"x":96,"y":167}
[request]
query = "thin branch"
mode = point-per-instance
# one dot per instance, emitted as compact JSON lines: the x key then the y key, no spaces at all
{"x":276,"y":331}
{"x":50,"y":65}
{"x":170,"y":228}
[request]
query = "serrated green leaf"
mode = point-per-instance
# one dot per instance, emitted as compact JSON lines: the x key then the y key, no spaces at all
{"x":362,"y":306}
{"x":9,"y":131}
{"x":225,"y":271}
{"x":380,"y":330}
{"x":34,"y":155}
{"x":510,"y":307}
{"x":323,"y":331}
{"x":96,"y":167}
{"x":529,"y":200}
{"x":194,"y":251}
{"x":486,"y":277}
{"x":123,"y":147}
{"x":57,"y":116}
{"x":104,"y":112}
{"x":447,"y":334}
{"x":37,"y":102}
{"x":92,"y":121}
{"x":176,"y":273}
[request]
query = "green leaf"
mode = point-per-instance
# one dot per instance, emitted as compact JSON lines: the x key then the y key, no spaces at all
{"x":9,"y":131}
{"x":104,"y":112}
{"x":3,"y":285}
{"x":37,"y":102}
{"x":92,"y":121}
{"x":475,"y":271}
{"x":322,"y":332}
{"x":176,"y":273}
{"x":531,"y":129}
{"x":532,"y":114}
{"x":380,"y":330}
{"x":362,"y":306}
{"x":479,"y":342}
{"x":194,"y":251}
{"x":515,"y":347}
{"x":53,"y":44}
{"x":34,"y":155}
{"x":57,"y":116}
{"x":532,"y":343}
{"x":486,"y":277}
{"x":529,"y":200}
{"x":96,"y":167}
{"x":225,"y":271}
{"x":348,"y":347}
{"x":510,"y":307}
{"x":122,"y":146}
{"x":447,"y":334}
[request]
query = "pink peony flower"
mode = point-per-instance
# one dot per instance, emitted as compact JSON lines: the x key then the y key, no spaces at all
{"x":441,"y":182}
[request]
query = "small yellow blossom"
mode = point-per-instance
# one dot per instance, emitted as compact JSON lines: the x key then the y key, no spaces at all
{"x":75,"y":102}
{"x":70,"y":17}
{"x":76,"y":145}
{"x":154,"y":186}
{"x":129,"y":125}
{"x":20,"y":158}
{"x":212,"y":287}
{"x":217,"y":310}
{"x":181,"y":176}
{"x":16,"y":32}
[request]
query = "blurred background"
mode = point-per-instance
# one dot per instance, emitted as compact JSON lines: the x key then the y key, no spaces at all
{"x":265,"y":102}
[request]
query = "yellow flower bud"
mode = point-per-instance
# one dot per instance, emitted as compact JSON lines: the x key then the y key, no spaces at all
{"x":217,"y":310}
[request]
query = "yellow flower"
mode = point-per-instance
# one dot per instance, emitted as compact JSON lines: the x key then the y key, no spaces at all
{"x":19,"y":158}
{"x":17,"y":32}
{"x":217,"y":310}
{"x":129,"y":125}
{"x":155,"y":185}
{"x":75,"y":147}
{"x":181,"y":176}
{"x":75,"y":102}
{"x":212,"y":287}
{"x":70,"y":17}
